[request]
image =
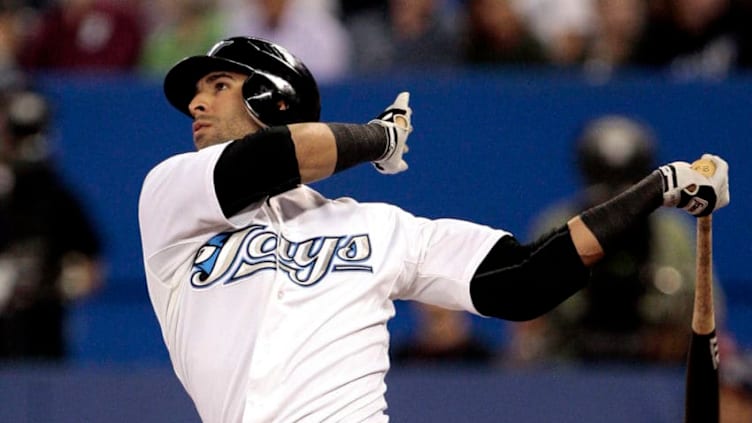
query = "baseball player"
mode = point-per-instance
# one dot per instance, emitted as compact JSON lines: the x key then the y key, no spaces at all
{"x":273,"y":301}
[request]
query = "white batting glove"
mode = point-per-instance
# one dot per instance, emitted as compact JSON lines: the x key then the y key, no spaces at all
{"x":694,"y":192}
{"x":396,"y":122}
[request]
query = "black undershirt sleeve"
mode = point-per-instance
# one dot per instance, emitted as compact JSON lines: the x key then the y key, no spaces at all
{"x":250,"y":168}
{"x":264,"y":163}
{"x":521,"y":282}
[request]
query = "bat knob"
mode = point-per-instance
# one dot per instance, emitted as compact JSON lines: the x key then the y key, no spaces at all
{"x":704,"y":166}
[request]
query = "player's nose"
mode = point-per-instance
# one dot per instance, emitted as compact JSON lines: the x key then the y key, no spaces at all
{"x":197,"y":105}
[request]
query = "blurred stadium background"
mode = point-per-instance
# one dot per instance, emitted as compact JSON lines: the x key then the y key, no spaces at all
{"x":490,"y":146}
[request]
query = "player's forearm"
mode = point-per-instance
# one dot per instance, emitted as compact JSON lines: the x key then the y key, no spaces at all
{"x":315,"y":150}
{"x":597,"y":229}
{"x":323,"y":149}
{"x":585,"y":242}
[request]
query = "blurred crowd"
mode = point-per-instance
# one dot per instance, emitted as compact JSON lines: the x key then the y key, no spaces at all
{"x":337,"y":39}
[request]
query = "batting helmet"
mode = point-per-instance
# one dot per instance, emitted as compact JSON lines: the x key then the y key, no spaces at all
{"x":279,"y":89}
{"x":615,"y":150}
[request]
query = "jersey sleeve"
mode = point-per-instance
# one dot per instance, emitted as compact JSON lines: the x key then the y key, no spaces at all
{"x":443,"y":256}
{"x":178,"y":201}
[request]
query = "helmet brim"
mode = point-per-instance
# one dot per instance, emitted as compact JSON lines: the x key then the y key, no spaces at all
{"x":180,"y":81}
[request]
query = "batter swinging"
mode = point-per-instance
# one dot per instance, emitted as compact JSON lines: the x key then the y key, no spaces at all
{"x":273,"y":301}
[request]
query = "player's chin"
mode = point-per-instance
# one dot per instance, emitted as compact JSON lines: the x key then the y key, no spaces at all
{"x":201,"y":139}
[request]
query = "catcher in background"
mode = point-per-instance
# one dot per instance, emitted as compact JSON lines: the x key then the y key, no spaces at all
{"x":638,"y":306}
{"x":50,"y":251}
{"x":274,"y":301}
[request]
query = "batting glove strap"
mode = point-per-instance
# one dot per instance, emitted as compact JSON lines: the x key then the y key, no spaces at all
{"x":391,"y":139}
{"x":687,"y":189}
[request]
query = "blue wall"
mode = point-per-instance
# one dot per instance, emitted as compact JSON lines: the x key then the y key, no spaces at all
{"x":489,"y":147}
{"x":415,"y":395}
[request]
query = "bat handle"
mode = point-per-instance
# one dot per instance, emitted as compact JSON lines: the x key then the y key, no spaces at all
{"x":703,"y":317}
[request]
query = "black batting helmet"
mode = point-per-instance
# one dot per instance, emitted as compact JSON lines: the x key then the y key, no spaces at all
{"x":279,"y":90}
{"x":615,"y":150}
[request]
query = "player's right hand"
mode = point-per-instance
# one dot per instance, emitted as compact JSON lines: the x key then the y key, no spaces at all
{"x":396,"y":121}
{"x":694,"y":192}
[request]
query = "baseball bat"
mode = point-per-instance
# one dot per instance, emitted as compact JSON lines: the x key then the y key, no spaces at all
{"x":702,"y":390}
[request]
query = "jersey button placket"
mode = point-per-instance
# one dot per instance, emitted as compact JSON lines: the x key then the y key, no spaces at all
{"x":264,"y":357}
{"x":275,"y":215}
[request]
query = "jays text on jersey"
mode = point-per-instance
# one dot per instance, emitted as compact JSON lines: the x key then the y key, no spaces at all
{"x":279,"y":313}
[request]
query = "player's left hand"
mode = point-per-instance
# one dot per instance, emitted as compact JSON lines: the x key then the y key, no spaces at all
{"x":694,"y":192}
{"x":396,"y":121}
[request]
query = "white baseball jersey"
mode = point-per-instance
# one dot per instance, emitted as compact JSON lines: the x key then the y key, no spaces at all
{"x":279,"y":314}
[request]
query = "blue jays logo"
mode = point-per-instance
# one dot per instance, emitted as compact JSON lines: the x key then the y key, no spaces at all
{"x":231,"y":256}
